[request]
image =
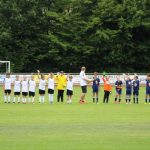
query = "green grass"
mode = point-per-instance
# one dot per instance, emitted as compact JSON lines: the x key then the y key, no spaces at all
{"x":75,"y":127}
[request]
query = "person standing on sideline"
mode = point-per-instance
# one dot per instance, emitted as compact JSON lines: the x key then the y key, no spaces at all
{"x":95,"y":87}
{"x":42,"y":87}
{"x":17,"y":89}
{"x":61,"y":80}
{"x":51,"y":86}
{"x":147,"y":98}
{"x":107,"y":89}
{"x":83,"y":84}
{"x":136,"y":85}
{"x":69,"y":93}
{"x":7,"y":88}
{"x":32,"y":86}
{"x":128,"y":81}
{"x":118,"y":85}
{"x":24,"y":87}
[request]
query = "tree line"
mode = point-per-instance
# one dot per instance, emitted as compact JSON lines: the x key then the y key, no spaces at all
{"x":52,"y":35}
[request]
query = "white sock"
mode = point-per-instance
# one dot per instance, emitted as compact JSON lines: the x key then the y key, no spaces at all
{"x":70,"y":101}
{"x":32,"y":99}
{"x":29,"y":100}
{"x":43,"y":99}
{"x":14,"y":99}
{"x":25,"y":99}
{"x":40,"y":99}
{"x":5,"y":98}
{"x":8,"y":98}
{"x":18,"y":99}
{"x":51,"y":98}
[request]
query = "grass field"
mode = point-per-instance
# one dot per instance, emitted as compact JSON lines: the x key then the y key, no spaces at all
{"x":75,"y":127}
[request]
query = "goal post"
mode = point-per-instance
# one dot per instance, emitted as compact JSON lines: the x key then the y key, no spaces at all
{"x":7,"y":65}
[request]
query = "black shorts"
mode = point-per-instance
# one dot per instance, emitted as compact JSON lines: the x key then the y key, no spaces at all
{"x":31,"y":94}
{"x":41,"y":92}
{"x":69,"y":93}
{"x":25,"y":93}
{"x":17,"y":93}
{"x":50,"y":91}
{"x":136,"y":93}
{"x":84,"y":89}
{"x":7,"y":91}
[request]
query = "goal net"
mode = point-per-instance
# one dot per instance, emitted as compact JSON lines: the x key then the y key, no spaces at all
{"x":4,"y":66}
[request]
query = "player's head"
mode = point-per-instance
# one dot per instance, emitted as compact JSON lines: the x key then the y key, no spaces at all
{"x":42,"y":76}
{"x":51,"y":75}
{"x":107,"y":78}
{"x":136,"y":78}
{"x":118,"y":78}
{"x":70,"y":77}
{"x":32,"y":77}
{"x":7,"y":75}
{"x":61,"y":73}
{"x":83,"y":68}
{"x":17,"y":77}
{"x":95,"y":74}
{"x":24,"y":78}
{"x":148,"y":76}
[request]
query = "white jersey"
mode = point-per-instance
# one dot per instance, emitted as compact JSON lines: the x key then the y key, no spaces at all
{"x":7,"y":83}
{"x":51,"y":83}
{"x":24,"y":86}
{"x":32,"y":85}
{"x":42,"y":84}
{"x":82,"y":79}
{"x":70,"y":85}
{"x":17,"y":85}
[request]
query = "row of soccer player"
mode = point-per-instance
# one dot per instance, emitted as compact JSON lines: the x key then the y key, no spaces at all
{"x":28,"y":88}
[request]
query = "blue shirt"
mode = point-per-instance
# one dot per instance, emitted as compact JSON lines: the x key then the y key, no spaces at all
{"x":148,"y":84}
{"x":136,"y":84}
{"x":129,"y":84}
{"x":118,"y":84}
{"x":96,"y":83}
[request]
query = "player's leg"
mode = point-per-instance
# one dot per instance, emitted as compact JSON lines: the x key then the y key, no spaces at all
{"x":97,"y":97}
{"x":107,"y":98}
{"x":58,"y":96}
{"x":62,"y":96}
{"x":94,"y":95}
{"x":8,"y":95}
{"x":116,"y":98}
{"x":30,"y":96}
{"x":70,"y":98}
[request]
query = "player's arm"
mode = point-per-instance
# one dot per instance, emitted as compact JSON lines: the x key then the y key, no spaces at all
{"x":38,"y":73}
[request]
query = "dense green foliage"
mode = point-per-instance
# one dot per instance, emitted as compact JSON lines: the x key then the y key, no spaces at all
{"x":110,"y":35}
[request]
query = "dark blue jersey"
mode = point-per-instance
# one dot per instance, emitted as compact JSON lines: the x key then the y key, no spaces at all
{"x":129,"y":84}
{"x":136,"y":84}
{"x":148,"y":84}
{"x":118,"y":84}
{"x":96,"y":83}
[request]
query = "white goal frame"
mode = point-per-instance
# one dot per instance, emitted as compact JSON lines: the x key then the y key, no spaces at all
{"x":7,"y":65}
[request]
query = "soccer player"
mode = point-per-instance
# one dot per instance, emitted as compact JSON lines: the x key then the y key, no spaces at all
{"x":136,"y":84}
{"x":128,"y":81}
{"x":7,"y":88}
{"x":51,"y":85}
{"x":42,"y":87}
{"x":147,"y":99}
{"x":17,"y":89}
{"x":24,"y":84}
{"x":83,"y":83}
{"x":61,"y":80}
{"x":70,"y":83}
{"x":107,"y":88}
{"x":95,"y":87}
{"x":118,"y":85}
{"x":32,"y":86}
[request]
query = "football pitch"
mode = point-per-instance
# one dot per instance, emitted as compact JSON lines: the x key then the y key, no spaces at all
{"x":75,"y":126}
